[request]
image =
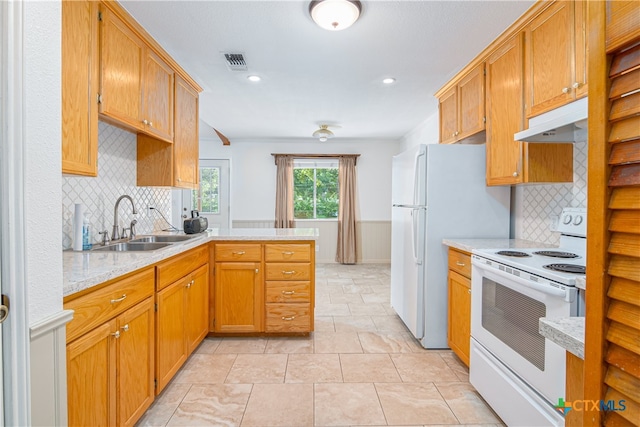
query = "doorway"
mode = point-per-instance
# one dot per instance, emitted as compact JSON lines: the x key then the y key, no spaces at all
{"x":211,"y":199}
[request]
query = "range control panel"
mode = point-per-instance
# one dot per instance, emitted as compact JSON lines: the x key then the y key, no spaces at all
{"x":573,"y":222}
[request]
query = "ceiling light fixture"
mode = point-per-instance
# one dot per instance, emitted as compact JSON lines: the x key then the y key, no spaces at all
{"x":323,"y":133}
{"x":335,"y":15}
{"x":254,"y":78}
{"x":388,"y":80}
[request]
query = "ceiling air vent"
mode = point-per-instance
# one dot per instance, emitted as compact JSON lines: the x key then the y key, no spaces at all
{"x":235,"y":61}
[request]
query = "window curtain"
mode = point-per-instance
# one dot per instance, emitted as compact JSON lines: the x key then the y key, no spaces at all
{"x":346,"y":252}
{"x":284,"y":192}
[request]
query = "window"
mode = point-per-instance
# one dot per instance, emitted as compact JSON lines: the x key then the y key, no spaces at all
{"x":315,"y":188}
{"x":207,"y":198}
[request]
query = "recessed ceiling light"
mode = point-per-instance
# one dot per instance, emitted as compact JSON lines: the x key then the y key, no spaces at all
{"x":254,"y":78}
{"x":388,"y":80}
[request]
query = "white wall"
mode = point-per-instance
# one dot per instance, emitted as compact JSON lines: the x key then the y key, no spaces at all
{"x":253,"y":173}
{"x":427,"y":132}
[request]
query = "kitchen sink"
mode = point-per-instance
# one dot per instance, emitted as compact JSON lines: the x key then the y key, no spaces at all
{"x":160,"y":239}
{"x":132,"y":246}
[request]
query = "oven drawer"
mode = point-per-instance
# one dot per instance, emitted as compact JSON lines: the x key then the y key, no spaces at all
{"x":460,"y":262}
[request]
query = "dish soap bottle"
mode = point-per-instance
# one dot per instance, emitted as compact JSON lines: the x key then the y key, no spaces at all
{"x":86,"y":233}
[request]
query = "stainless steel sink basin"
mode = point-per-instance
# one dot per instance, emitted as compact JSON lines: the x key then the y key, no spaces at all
{"x":132,"y":246}
{"x":161,"y":239}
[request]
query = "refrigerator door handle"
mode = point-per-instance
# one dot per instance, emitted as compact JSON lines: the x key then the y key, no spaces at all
{"x":414,"y":236}
{"x":416,"y":176}
{"x":415,"y":207}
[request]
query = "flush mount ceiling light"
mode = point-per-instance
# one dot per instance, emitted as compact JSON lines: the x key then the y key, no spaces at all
{"x":323,"y":133}
{"x":388,"y":80}
{"x":254,"y":78}
{"x":335,"y":15}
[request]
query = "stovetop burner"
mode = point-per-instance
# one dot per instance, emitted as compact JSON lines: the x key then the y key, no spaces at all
{"x":567,"y":268}
{"x":516,"y":254}
{"x":557,"y":254}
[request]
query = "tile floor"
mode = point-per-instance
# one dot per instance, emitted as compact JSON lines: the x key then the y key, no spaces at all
{"x":360,"y":367}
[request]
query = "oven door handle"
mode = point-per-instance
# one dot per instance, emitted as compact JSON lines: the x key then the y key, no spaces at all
{"x":547,"y":289}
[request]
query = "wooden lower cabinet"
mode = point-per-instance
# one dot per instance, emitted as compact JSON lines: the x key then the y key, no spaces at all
{"x":459,"y":317}
{"x":110,"y":370}
{"x":239,"y":297}
{"x":182,"y":322}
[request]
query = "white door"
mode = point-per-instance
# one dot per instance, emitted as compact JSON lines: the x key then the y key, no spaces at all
{"x":212,"y":197}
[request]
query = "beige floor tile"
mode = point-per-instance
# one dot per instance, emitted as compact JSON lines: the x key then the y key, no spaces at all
{"x":258,"y":368}
{"x":279,"y":405}
{"x":347,"y":404}
{"x":354,"y":324}
{"x":165,"y":405}
{"x":466,"y":404}
{"x":357,"y":289}
{"x":324,"y":323}
{"x":411,"y":403}
{"x":386,"y":322}
{"x":376,"y":297}
{"x":212,"y":405}
{"x":205,"y":369}
{"x":365,"y":309}
{"x":336,"y":342}
{"x":460,"y":369}
{"x":313,"y":368}
{"x":290,"y":345}
{"x":422,"y":367}
{"x":360,"y":368}
{"x":335,"y":290}
{"x":384,"y":342}
{"x":367,"y":281}
{"x":345,"y":299}
{"x":332,"y":310}
{"x":339,"y":281}
{"x":242,"y":345}
{"x":209,"y":345}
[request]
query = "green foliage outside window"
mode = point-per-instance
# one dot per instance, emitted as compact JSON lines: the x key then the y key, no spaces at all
{"x":206,"y":199}
{"x":315,"y":193}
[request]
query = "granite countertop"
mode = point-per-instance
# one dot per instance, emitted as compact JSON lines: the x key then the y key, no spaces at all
{"x":567,"y":332}
{"x":468,"y":245}
{"x":82,"y":270}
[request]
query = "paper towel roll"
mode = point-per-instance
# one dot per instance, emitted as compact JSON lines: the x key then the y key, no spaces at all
{"x":78,"y":216}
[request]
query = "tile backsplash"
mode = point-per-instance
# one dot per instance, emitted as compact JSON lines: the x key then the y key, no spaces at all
{"x":543,"y":203}
{"x":116,"y":176}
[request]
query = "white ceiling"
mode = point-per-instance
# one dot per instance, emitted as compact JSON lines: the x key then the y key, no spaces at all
{"x":312,"y":76}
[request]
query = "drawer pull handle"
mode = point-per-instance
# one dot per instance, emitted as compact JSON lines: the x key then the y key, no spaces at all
{"x":116,"y":334}
{"x":288,"y":319}
{"x":238,"y":252}
{"x":125,"y":328}
{"x":113,"y":301}
{"x":288,"y":292}
{"x":287,"y":253}
{"x":460,"y":264}
{"x":288,"y":272}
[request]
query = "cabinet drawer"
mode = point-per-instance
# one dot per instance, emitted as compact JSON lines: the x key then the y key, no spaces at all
{"x":460,"y":262}
{"x":287,"y":318}
{"x":287,"y":252}
{"x":180,"y":265}
{"x":288,"y":291}
{"x":238,"y":252}
{"x":95,"y":308}
{"x":288,"y":271}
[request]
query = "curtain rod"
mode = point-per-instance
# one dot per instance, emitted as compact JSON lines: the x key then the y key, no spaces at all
{"x":315,"y":156}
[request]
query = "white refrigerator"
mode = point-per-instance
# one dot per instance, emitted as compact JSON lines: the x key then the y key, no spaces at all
{"x":438,"y":191}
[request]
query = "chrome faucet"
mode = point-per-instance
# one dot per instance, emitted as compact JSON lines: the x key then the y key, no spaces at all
{"x":115,"y":235}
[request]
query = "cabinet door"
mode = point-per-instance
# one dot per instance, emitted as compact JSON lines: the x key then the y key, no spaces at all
{"x":239,"y":297}
{"x":448,"y":116}
{"x":459,"y":315}
{"x":80,"y":74}
{"x":157,"y":115}
{"x":170,"y":332}
{"x":504,"y":113}
{"x":580,"y":85}
{"x":91,"y":378}
{"x":185,"y":146}
{"x":550,"y":59}
{"x":471,"y":101}
{"x":121,"y":62}
{"x":197,"y":307}
{"x":135,"y":362}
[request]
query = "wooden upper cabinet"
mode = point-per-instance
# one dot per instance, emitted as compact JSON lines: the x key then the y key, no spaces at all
{"x":462,"y":107}
{"x":623,"y":24}
{"x":136,"y":84}
{"x":186,"y":143}
{"x":80,"y":80}
{"x":553,"y":57}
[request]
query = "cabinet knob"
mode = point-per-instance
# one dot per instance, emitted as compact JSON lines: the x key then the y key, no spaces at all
{"x":469,"y":290}
{"x":125,"y":327}
{"x":145,"y":122}
{"x":456,"y":134}
{"x":150,"y":123}
{"x":576,"y":85}
{"x":515,"y":174}
{"x":257,"y":271}
{"x":566,"y":89}
{"x":116,"y":334}
{"x":190,"y":283}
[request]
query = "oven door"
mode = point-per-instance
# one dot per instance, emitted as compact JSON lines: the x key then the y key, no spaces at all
{"x":505,"y":313}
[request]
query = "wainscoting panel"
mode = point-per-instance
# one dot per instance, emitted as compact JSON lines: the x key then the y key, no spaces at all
{"x":374,"y":238}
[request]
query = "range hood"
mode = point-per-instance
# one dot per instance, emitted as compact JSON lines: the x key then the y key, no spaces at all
{"x":564,"y":124}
